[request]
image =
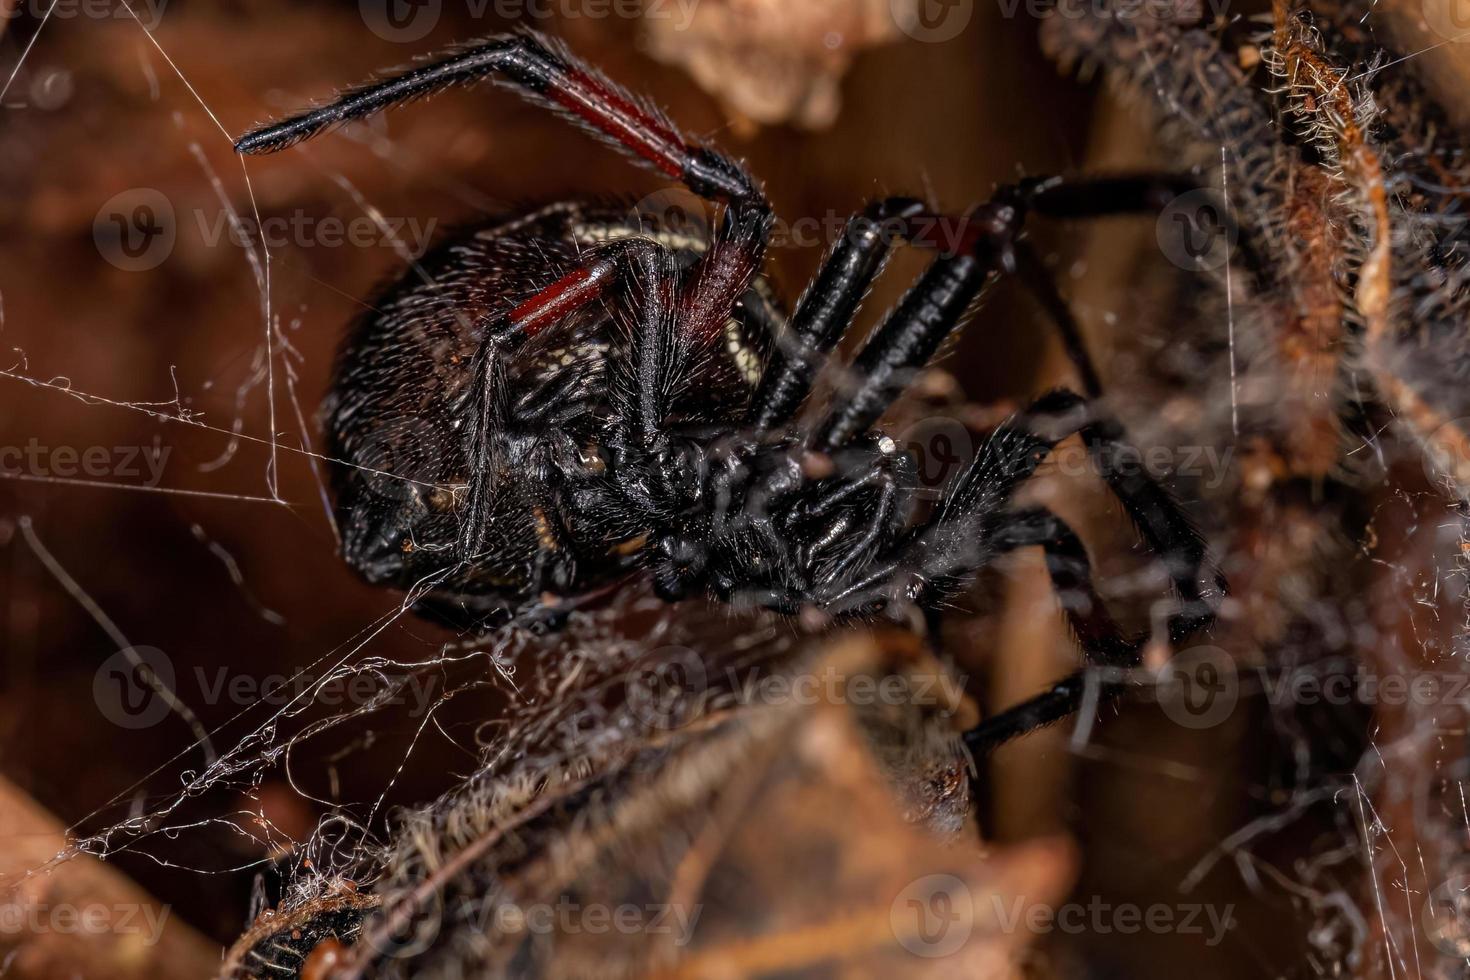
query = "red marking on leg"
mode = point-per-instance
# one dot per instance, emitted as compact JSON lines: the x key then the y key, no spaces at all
{"x":624,"y":121}
{"x":561,"y":299}
{"x":709,"y":297}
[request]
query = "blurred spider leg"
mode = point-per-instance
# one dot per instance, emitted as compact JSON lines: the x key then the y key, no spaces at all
{"x":1038,"y":711}
{"x":1096,"y":197}
{"x":543,"y":72}
{"x":1102,"y":642}
{"x":1100,"y":197}
{"x":827,"y":308}
{"x":1163,"y":525}
{"x":1036,"y":279}
{"x":973,"y":526}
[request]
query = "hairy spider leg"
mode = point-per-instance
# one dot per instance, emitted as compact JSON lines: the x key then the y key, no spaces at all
{"x":827,"y":307}
{"x":545,"y":72}
{"x":974,"y":525}
{"x":935,"y":306}
{"x":904,"y":342}
{"x":829,"y":304}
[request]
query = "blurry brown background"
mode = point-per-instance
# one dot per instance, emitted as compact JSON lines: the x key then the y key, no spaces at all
{"x":96,"y":111}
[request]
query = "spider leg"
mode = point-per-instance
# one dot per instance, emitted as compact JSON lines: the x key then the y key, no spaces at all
{"x":974,"y":525}
{"x":1035,"y":278}
{"x":1103,"y":643}
{"x":932,"y":309}
{"x":827,"y":308}
{"x":905,"y":341}
{"x":1150,"y":193}
{"x":544,"y":72}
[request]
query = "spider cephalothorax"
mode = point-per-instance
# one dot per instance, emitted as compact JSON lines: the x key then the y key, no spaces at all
{"x":554,"y":400}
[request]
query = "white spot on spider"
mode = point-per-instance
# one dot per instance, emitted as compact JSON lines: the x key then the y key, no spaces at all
{"x":589,"y":234}
{"x":746,"y":361}
{"x":886,"y":446}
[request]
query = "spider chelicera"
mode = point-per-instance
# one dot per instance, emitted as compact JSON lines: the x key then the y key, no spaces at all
{"x":551,"y":402}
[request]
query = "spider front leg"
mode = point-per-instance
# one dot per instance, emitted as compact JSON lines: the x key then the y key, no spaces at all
{"x":545,"y":72}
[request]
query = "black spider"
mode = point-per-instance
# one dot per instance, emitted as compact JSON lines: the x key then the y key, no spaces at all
{"x":549,"y":403}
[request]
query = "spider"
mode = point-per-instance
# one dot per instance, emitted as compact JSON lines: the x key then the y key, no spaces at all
{"x":551,"y":402}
